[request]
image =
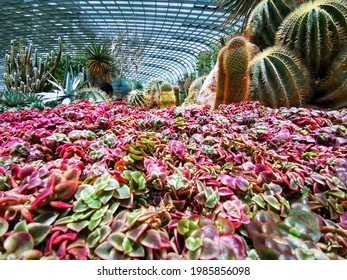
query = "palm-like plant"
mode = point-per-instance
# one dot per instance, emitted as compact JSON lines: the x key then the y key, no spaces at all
{"x":99,"y":61}
{"x":236,"y":11}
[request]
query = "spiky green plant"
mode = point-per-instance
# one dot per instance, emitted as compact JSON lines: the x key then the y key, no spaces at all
{"x":316,"y":31}
{"x":27,"y":72}
{"x":167,"y":96}
{"x":233,"y":77}
{"x":16,"y":101}
{"x":333,"y":90}
{"x":91,"y":94}
{"x":279,"y":78}
{"x":99,"y":61}
{"x":152,"y":92}
{"x":136,"y":98}
{"x":265,"y":19}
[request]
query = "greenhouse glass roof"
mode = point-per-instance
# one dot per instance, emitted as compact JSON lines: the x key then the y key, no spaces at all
{"x":171,"y":33}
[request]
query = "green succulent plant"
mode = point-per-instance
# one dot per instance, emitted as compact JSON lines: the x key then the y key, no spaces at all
{"x":136,"y":98}
{"x":333,"y":89}
{"x":266,"y":18}
{"x":279,"y":78}
{"x":315,"y":31}
{"x":167,"y":96}
{"x":121,"y":87}
{"x":91,"y":94}
{"x":194,"y":90}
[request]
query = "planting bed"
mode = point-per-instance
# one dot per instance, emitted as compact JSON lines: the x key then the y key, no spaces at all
{"x":111,"y":181}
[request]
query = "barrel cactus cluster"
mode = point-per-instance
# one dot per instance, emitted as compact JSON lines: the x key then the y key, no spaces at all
{"x":302,"y":62}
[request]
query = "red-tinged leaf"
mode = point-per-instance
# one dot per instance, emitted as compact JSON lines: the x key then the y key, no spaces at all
{"x":49,"y":244}
{"x":9,"y":200}
{"x":65,"y":190}
{"x":60,"y":204}
{"x":26,"y":215}
{"x":105,"y":251}
{"x":54,"y":179}
{"x":211,"y":232}
{"x":236,"y":244}
{"x":209,"y":250}
{"x":31,"y":255}
{"x":81,"y":253}
{"x":116,"y":239}
{"x":46,"y":194}
{"x":66,"y":236}
{"x":223,"y":191}
{"x":72,"y":174}
{"x":18,"y":242}
{"x":135,"y":233}
{"x":78,"y":226}
{"x":26,"y":171}
{"x":151,"y":239}
{"x":61,"y":253}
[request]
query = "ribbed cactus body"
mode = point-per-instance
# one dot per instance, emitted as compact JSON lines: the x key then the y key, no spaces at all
{"x":265,"y":19}
{"x":25,"y":72}
{"x":152,"y":92}
{"x":316,"y":31}
{"x":167,"y":96}
{"x":333,"y":90}
{"x":233,"y":76}
{"x":177,"y":91}
{"x":136,"y":98}
{"x":194,"y":90}
{"x":91,"y":94}
{"x":279,"y":78}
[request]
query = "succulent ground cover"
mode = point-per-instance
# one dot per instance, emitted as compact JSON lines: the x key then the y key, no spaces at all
{"x":111,"y":181}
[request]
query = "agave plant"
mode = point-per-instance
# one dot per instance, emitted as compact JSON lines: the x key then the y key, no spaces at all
{"x":99,"y":61}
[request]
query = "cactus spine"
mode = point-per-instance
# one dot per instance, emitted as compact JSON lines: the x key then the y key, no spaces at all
{"x":152,"y":92}
{"x":265,"y":19}
{"x":26,"y":72}
{"x":316,"y":31}
{"x":279,"y":79}
{"x":136,"y":98}
{"x":167,"y":97}
{"x":333,"y":90}
{"x":233,"y":77}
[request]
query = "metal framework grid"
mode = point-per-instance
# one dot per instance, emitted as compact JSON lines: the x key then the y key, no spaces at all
{"x":175,"y":32}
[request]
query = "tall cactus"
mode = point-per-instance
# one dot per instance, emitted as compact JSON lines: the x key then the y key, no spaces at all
{"x":26,"y":72}
{"x":176,"y":89}
{"x":194,"y":90}
{"x":316,"y":31}
{"x":233,"y":77}
{"x":265,"y":19}
{"x":152,"y":92}
{"x":279,"y":79}
{"x":333,"y":90}
{"x":167,"y":96}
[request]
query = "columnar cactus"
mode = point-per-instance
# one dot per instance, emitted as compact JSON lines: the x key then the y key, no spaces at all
{"x":279,"y":79}
{"x":152,"y":92}
{"x":176,"y":90}
{"x":265,"y":19}
{"x":167,"y":96}
{"x":26,"y":72}
{"x":233,"y":76}
{"x":136,"y":98}
{"x":194,"y":90}
{"x":333,"y":90}
{"x":316,"y":31}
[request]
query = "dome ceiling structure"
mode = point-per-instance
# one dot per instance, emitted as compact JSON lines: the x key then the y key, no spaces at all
{"x":170,"y":33}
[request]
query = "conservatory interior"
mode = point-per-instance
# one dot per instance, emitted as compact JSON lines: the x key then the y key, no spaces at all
{"x":173,"y":130}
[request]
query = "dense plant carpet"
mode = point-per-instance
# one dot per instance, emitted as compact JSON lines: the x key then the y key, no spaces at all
{"x":112,"y":181}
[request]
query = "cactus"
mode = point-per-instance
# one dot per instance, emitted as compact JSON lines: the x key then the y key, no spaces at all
{"x":26,"y":72}
{"x":194,"y":90}
{"x":176,"y":89}
{"x":265,"y":19}
{"x":316,"y":31}
{"x":233,"y":76}
{"x":333,"y":90}
{"x":120,"y":88}
{"x":279,"y":79}
{"x":136,"y":98}
{"x":91,"y":94}
{"x":167,"y":96}
{"x":152,"y":92}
